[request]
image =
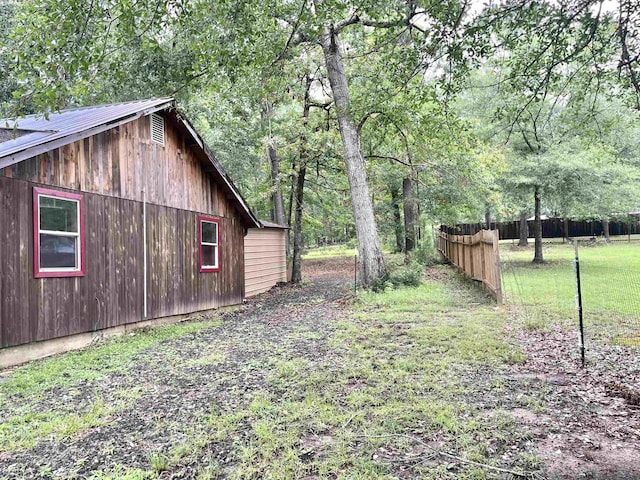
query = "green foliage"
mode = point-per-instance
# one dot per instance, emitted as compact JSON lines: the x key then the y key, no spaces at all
{"x":399,"y":276}
{"x":543,"y":101}
{"x":425,"y":252}
{"x":406,"y":275}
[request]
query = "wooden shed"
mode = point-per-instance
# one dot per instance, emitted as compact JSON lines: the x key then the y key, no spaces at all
{"x":265,"y":260}
{"x":110,"y":216}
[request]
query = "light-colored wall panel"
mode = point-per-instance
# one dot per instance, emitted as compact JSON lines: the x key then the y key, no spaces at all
{"x":265,"y":259}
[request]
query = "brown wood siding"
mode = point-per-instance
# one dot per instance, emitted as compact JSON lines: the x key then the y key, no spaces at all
{"x":175,"y":283}
{"x":123,"y":161}
{"x":111,"y":292}
{"x":265,"y":261}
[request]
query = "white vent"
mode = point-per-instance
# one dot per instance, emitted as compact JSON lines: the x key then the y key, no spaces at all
{"x":157,"y":129}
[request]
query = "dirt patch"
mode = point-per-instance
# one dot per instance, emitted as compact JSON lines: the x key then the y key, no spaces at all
{"x":590,"y":457}
{"x":188,"y":400}
{"x":587,"y":427}
{"x":178,"y":383}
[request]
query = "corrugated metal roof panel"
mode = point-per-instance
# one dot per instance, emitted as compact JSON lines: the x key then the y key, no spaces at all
{"x":267,"y":224}
{"x":68,"y":122}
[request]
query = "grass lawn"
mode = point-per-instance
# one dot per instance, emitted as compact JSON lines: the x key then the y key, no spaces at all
{"x":328,"y":251}
{"x":610,"y":277}
{"x":22,"y":425}
{"x":407,"y":383}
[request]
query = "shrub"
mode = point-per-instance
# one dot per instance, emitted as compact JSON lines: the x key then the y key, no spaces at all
{"x":399,"y":276}
{"x":426,"y":253}
{"x":407,"y":275}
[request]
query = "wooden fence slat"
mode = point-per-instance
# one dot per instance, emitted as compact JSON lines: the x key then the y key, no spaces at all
{"x":477,"y":256}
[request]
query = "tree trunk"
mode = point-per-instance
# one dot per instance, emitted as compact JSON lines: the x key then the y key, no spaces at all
{"x":487,"y":217}
{"x":292,"y":191}
{"x":372,"y":266}
{"x":565,"y":230}
{"x":605,"y":230}
{"x":298,"y":238}
{"x":409,"y":214}
{"x":276,"y":189}
{"x":397,"y":218}
{"x":277,"y":213}
{"x":537,"y":258}
{"x":524,"y":230}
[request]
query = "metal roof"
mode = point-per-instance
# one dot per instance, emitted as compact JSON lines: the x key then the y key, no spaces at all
{"x":36,"y":134}
{"x":45,"y":133}
{"x":266,"y":224}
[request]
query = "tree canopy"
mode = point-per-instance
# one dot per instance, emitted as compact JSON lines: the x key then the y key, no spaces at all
{"x":477,"y":107}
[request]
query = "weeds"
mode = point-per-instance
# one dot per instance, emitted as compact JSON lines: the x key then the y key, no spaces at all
{"x":408,"y":367}
{"x":114,"y":354}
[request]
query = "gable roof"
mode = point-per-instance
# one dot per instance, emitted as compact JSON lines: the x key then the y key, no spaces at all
{"x":33,"y":135}
{"x":37,"y":134}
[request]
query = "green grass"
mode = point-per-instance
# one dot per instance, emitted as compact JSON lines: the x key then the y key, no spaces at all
{"x":24,"y":431}
{"x":114,"y":354}
{"x":405,"y":366}
{"x":328,"y":251}
{"x":209,"y":359}
{"x":404,"y":363}
{"x":24,"y":424}
{"x":610,"y":278}
{"x":342,"y":250}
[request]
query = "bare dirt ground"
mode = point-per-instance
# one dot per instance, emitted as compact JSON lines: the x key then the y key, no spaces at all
{"x":586,"y":423}
{"x":170,"y":391}
{"x":591,"y":424}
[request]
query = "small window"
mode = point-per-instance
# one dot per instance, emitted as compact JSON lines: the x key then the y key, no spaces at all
{"x":157,"y":129}
{"x":209,"y":240}
{"x":58,"y":225}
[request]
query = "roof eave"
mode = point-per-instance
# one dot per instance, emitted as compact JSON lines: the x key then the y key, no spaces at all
{"x":219,"y":169}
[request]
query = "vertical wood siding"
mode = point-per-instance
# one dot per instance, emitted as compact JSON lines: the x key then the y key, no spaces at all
{"x":176,"y":285}
{"x":265,"y":261}
{"x":111,"y":292}
{"x":123,"y":161}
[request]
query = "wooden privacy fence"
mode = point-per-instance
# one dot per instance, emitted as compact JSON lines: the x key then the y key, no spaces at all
{"x":554,"y":227}
{"x":477,"y":256}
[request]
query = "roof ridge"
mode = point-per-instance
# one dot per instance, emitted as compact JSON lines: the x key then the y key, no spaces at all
{"x":34,"y":116}
{"x":113,"y":104}
{"x":87,"y":107}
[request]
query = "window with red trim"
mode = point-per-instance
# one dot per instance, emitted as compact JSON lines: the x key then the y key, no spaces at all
{"x":209,"y":242}
{"x":58,"y":233}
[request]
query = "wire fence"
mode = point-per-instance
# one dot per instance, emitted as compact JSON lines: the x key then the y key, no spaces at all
{"x":544,"y":296}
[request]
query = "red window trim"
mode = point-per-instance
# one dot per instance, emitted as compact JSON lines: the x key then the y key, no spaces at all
{"x":37,"y":273}
{"x":204,"y":218}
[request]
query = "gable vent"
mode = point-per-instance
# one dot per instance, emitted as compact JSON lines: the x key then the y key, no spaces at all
{"x":157,"y":129}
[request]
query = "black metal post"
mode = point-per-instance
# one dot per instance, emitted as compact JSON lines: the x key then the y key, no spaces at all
{"x":579,"y":300}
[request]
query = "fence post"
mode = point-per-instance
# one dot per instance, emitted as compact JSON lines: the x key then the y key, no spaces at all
{"x":482,"y":262}
{"x":472,"y":247}
{"x":496,"y":266}
{"x":464,"y":254}
{"x":579,"y":300}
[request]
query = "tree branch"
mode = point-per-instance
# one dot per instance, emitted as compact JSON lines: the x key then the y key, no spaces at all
{"x":290,"y":41}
